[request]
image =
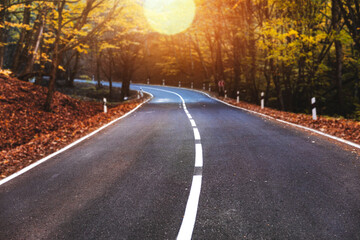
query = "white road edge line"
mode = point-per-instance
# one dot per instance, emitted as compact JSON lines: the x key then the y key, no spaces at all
{"x":279,"y":120}
{"x":285,"y":122}
{"x":188,"y":222}
{"x":28,"y":168}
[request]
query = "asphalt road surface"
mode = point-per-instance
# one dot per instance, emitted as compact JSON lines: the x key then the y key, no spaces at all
{"x":260,"y":180}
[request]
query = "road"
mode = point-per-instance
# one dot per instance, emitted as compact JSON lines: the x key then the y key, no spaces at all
{"x":260,"y":180}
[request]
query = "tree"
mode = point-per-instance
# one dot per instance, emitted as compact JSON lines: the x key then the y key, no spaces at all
{"x":71,"y":30}
{"x":350,"y":10}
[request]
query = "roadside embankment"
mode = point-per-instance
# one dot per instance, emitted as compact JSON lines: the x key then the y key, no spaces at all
{"x":28,"y":133}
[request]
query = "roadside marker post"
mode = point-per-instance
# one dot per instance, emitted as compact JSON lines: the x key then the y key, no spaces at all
{"x":262,"y":100}
{"x":313,"y":106}
{"x":237,"y":97}
{"x":204,"y":86}
{"x":105,"y":107}
{"x":138,"y":94}
{"x":148,"y":81}
{"x":225,"y":95}
{"x":179,"y":83}
{"x":163,"y":82}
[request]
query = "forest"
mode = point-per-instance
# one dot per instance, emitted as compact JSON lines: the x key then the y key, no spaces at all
{"x":290,"y":50}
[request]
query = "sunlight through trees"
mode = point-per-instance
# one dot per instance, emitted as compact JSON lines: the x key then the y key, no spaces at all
{"x":291,"y":50}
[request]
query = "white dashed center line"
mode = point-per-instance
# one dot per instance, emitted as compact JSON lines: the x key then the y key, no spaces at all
{"x":196,"y":134}
{"x":188,"y":223}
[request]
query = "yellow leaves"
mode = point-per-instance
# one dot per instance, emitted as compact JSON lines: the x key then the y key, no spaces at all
{"x":48,"y":34}
{"x":49,"y":41}
{"x":308,"y":39}
{"x":126,"y":43}
{"x":82,"y":48}
{"x":45,"y":57}
{"x":15,"y":7}
{"x":18,"y":25}
{"x":81,"y":33}
{"x":293,"y":33}
{"x":106,"y":45}
{"x":5,"y":72}
{"x":61,"y":68}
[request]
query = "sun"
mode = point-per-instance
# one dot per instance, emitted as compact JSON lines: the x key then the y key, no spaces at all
{"x":169,"y":16}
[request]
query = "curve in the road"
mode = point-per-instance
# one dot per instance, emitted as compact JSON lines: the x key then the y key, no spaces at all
{"x":285,"y":122}
{"x":188,"y":223}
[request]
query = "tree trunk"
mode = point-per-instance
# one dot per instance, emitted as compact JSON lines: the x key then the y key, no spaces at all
{"x":51,"y":87}
{"x":2,"y":33}
{"x":237,"y":62}
{"x":267,"y":79}
{"x":73,"y":73}
{"x":2,"y":48}
{"x":31,"y":59}
{"x":20,"y":44}
{"x":219,"y":68}
{"x":336,"y":21}
{"x":125,"y":87}
{"x":201,"y":58}
{"x":56,"y":57}
{"x":98,"y":66}
{"x":252,"y":74}
{"x":338,"y":75}
{"x":126,"y":77}
{"x":277,"y":83}
{"x":109,"y":72}
{"x":110,"y":87}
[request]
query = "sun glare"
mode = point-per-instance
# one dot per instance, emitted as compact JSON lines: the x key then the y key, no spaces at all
{"x":169,"y":16}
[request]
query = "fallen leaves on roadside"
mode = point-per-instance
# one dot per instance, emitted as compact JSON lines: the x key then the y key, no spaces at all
{"x":343,"y":128}
{"x":27,"y":133}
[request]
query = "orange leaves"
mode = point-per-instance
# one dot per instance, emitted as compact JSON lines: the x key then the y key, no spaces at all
{"x":343,"y":128}
{"x":29,"y":134}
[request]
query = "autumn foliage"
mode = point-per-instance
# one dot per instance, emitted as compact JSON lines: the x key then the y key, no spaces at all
{"x":27,"y":133}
